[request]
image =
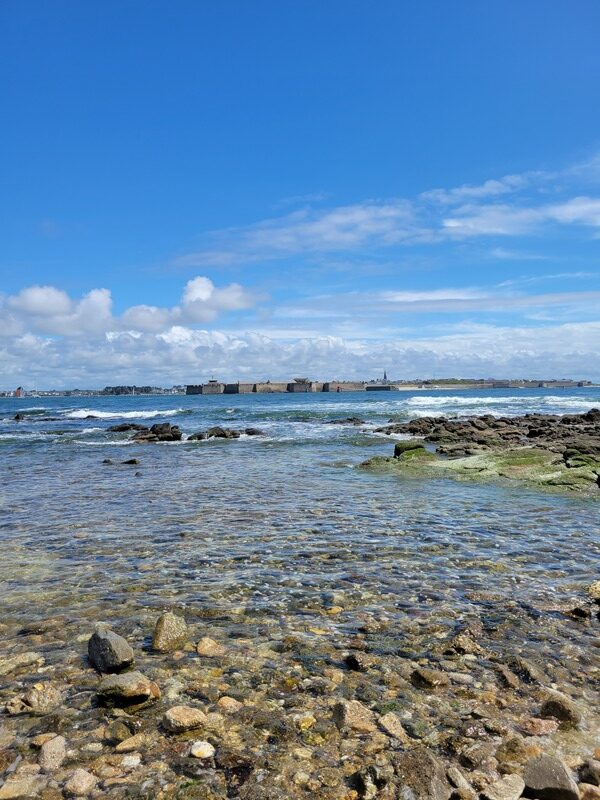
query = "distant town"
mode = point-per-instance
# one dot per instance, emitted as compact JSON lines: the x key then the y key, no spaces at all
{"x":303,"y":385}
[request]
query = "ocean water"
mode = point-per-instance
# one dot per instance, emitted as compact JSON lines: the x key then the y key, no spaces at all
{"x":262,"y":529}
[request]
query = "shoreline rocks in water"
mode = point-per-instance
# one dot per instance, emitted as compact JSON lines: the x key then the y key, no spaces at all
{"x":429,"y":719}
{"x":561,"y":452}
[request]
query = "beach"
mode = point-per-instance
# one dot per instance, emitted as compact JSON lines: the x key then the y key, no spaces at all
{"x":346,"y":632}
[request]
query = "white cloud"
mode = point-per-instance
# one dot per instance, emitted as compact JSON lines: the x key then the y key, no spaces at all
{"x":430,"y":217}
{"x":42,"y":301}
{"x":184,"y":355}
{"x":47,"y":310}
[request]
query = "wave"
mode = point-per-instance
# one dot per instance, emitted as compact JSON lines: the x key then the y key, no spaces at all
{"x":85,"y":413}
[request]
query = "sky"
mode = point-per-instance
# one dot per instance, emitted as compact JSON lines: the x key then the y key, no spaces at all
{"x":260,"y":190}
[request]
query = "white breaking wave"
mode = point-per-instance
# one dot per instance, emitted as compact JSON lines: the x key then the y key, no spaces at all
{"x":84,"y":413}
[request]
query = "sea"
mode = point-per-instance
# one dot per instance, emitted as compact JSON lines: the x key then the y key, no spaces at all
{"x":266,"y":530}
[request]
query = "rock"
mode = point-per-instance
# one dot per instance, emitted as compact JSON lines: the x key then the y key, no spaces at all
{"x":130,"y":688}
{"x":508,"y":788}
{"x":507,"y":677}
{"x":41,"y":699}
{"x":547,"y":778}
{"x":587,"y":791}
{"x":202,"y":749}
{"x":403,"y":447}
{"x":593,"y":591}
{"x":538,"y":727}
{"x":80,"y":784}
{"x":391,"y":724}
{"x":109,"y":652}
{"x":458,"y":780}
{"x":53,"y":753}
{"x":126,"y":426}
{"x":589,"y":772}
{"x":421,"y":776}
{"x":360,"y":662}
{"x":20,"y":787}
{"x":161,"y":432}
{"x":425,"y":678}
{"x":132,"y":743}
{"x":369,"y":780}
{"x":354,"y":715}
{"x":229,"y":705}
{"x":560,"y":707}
{"x":170,"y":633}
{"x":13,"y":663}
{"x":253,"y":432}
{"x":184,"y":718}
{"x":210,"y":648}
{"x":131,"y":461}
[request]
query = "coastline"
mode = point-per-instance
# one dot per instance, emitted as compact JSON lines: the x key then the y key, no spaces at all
{"x":347,"y":635}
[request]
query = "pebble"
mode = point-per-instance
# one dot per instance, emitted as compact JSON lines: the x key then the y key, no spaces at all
{"x":170,"y":633}
{"x":202,"y":749}
{"x":183,"y":718}
{"x":229,"y":704}
{"x":53,"y":753}
{"x":81,"y":783}
{"x":210,"y":648}
{"x":354,"y":715}
{"x":132,"y":743}
{"x":508,"y":788}
{"x":538,"y":727}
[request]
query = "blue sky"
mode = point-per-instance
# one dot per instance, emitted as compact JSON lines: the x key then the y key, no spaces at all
{"x":264,"y":188}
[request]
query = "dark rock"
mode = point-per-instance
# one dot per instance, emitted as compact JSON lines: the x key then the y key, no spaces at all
{"x":253,"y":432}
{"x":589,"y":772}
{"x":131,"y":461}
{"x":558,"y":706}
{"x":160,"y":432}
{"x":126,"y":426}
{"x":109,"y":652}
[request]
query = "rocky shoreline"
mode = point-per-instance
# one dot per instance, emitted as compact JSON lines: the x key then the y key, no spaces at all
{"x":185,"y":713}
{"x":542,"y":450}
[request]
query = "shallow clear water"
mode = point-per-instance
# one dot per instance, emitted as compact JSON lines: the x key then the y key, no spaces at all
{"x":267,"y":525}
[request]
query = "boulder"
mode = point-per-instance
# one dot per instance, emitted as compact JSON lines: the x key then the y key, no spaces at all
{"x":109,"y":652}
{"x":547,"y":778}
{"x":421,"y":775}
{"x":170,"y":633}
